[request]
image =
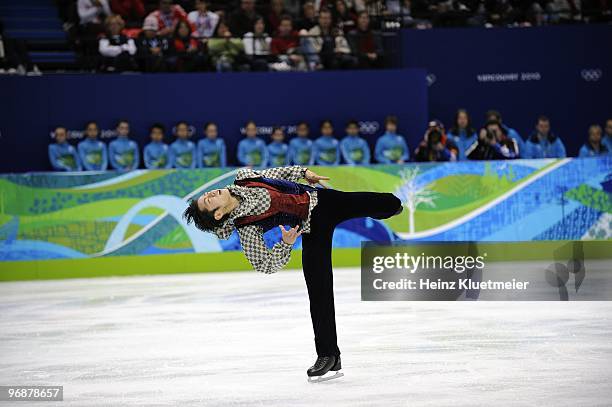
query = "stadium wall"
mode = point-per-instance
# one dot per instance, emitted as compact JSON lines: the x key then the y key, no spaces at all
{"x":563,"y":72}
{"x":35,"y":105}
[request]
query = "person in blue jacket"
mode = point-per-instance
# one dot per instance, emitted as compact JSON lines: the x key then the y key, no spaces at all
{"x":543,"y":143}
{"x":63,"y":156}
{"x":300,"y":147}
{"x":607,"y":138}
{"x":123,"y":153}
{"x":594,"y":146}
{"x":183,"y":150}
{"x":211,"y":150}
{"x":157,"y":153}
{"x":354,"y":148}
{"x":391,"y":148}
{"x":462,"y":133}
{"x":278,"y":150}
{"x":326,"y":149}
{"x":252,"y":150}
{"x":93,"y":152}
{"x":494,"y":115}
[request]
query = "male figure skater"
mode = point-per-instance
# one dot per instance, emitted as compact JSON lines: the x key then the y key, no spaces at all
{"x":263,"y":199}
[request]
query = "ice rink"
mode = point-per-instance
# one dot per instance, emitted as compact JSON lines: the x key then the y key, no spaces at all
{"x":245,"y":339}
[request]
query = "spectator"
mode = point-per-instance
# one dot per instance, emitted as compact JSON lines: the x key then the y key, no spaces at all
{"x":63,"y":156}
{"x":326,"y":149}
{"x":435,"y":145}
{"x":226,"y":53}
{"x":182,"y":151}
{"x":543,"y":143}
{"x":300,"y":147}
{"x":92,"y":152}
{"x":152,"y":48}
{"x":132,"y":11}
{"x":607,"y":140}
{"x":309,"y":17}
{"x":462,"y":133}
{"x":190,"y":54}
{"x":168,"y":16}
{"x":594,"y":146}
{"x":14,"y":57}
{"x":204,"y":21}
{"x":117,"y":49}
{"x":92,"y":14}
{"x":211,"y":149}
{"x":493,"y":144}
{"x":157,"y":153}
{"x":242,"y":20}
{"x":494,"y":115}
{"x":366,"y":44}
{"x":257,"y":46}
{"x":278,"y":151}
{"x":391,"y":148}
{"x":345,"y":19}
{"x":325,"y":46}
{"x":252,"y":150}
{"x":355,"y":150}
{"x":277,"y":10}
{"x":123,"y":153}
{"x":285,"y":45}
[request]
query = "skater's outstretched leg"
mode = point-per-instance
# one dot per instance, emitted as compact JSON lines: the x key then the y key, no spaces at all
{"x":377,"y":205}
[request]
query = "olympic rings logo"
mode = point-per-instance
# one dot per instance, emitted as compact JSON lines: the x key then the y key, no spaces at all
{"x":368,"y":127}
{"x":591,"y":75}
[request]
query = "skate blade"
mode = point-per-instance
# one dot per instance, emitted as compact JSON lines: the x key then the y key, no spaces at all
{"x":327,"y":376}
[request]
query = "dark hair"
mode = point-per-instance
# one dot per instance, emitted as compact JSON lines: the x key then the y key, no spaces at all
{"x":256,"y":20}
{"x":276,"y":128}
{"x":208,"y":124}
{"x":60,"y":127}
{"x":92,"y":122}
{"x":250,"y":122}
{"x":157,"y":126}
{"x":324,"y":122}
{"x":122,"y":121}
{"x":286,"y":17}
{"x":391,"y":119}
{"x":178,"y":27}
{"x":303,"y":123}
{"x":203,"y":220}
{"x":182,"y":122}
{"x":325,"y":10}
{"x":543,"y":118}
{"x":494,"y":113}
{"x":352,"y":122}
{"x":468,"y":129}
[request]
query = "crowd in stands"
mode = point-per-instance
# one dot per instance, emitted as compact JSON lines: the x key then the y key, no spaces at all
{"x":495,"y":140}
{"x":238,"y":35}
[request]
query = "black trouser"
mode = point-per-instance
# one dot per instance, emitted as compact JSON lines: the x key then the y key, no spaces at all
{"x":332,"y":208}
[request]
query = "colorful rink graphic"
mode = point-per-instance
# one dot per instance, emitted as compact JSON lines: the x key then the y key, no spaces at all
{"x":47,"y":216}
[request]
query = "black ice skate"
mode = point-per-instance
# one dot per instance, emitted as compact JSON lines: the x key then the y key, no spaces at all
{"x":325,"y":368}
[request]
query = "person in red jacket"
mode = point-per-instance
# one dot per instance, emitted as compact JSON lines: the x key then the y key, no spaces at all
{"x":286,"y":45}
{"x":168,"y":16}
{"x":190,"y":52}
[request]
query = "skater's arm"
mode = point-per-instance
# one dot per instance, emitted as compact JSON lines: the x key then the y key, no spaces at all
{"x":292,"y":173}
{"x":257,"y":253}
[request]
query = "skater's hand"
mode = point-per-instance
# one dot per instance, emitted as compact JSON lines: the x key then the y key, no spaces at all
{"x":289,"y":236}
{"x":313,"y":178}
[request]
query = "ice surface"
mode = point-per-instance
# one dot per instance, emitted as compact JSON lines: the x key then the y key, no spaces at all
{"x":234,"y":339}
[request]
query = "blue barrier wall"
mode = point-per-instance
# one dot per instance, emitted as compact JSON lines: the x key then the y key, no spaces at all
{"x":562,"y":72}
{"x":35,"y":105}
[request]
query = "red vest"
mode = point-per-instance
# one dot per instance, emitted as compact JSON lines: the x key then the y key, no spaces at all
{"x":283,"y":206}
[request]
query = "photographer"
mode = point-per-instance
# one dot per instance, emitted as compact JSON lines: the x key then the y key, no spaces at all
{"x":435,"y":145}
{"x":493,"y":144}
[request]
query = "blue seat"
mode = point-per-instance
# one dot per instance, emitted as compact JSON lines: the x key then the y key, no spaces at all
{"x":53,"y":56}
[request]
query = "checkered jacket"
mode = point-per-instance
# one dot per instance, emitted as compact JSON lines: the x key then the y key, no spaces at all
{"x":254,"y":201}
